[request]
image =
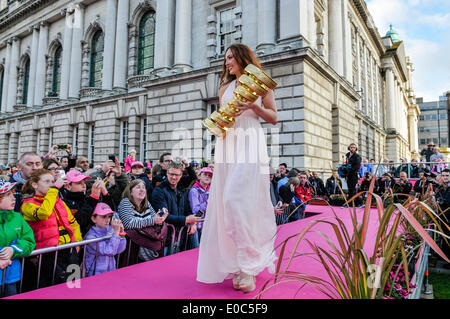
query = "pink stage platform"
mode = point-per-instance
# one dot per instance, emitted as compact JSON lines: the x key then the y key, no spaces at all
{"x":174,"y":277}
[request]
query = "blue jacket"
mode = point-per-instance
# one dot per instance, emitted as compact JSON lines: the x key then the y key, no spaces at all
{"x":107,"y":249}
{"x":176,"y":202}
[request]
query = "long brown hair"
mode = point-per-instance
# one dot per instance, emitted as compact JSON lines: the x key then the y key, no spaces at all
{"x":27,"y":188}
{"x":127,"y":194}
{"x":243,"y":56}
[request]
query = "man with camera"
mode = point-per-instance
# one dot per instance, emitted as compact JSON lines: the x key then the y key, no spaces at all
{"x":354,"y":161}
{"x":402,"y":186}
{"x":442,"y":196}
{"x":170,"y":195}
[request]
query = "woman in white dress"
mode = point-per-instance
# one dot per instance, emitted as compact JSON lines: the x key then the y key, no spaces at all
{"x":239,"y":230}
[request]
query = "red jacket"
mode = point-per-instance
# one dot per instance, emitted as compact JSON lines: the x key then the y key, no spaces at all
{"x":303,"y":193}
{"x":49,"y":215}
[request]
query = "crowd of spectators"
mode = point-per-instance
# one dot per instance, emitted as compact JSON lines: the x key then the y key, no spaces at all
{"x":64,"y":199}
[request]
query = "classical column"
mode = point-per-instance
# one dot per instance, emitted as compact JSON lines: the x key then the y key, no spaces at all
{"x":41,"y":71}
{"x":121,"y":59}
{"x":266,"y":24}
{"x":390,"y":98}
{"x":12,"y":78}
{"x":183,"y":26}
{"x":164,"y":30}
{"x":110,"y":39}
{"x":311,"y":24}
{"x":66,"y":58}
{"x":348,"y":57}
{"x":33,"y":65}
{"x":76,"y":52}
{"x":336,"y":38}
{"x":6,"y":76}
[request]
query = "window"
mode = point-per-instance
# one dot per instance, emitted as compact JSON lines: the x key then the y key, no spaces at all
{"x":225,"y":29}
{"x":423,"y":141}
{"x":443,"y":116}
{"x":143,"y":151}
{"x":26,"y":80}
{"x":146,"y":47}
{"x":443,"y":141}
{"x":421,"y":118}
{"x":91,"y":143}
{"x":96,"y":65}
{"x":75,"y":140}
{"x":56,"y":83}
{"x":123,"y":140}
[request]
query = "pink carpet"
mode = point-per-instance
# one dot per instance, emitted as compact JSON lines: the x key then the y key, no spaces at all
{"x":174,"y":277}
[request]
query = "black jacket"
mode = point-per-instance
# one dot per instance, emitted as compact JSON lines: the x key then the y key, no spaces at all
{"x":285,"y":194}
{"x":383,"y":186}
{"x":83,"y":206}
{"x":176,"y":201}
{"x":332,"y":187}
{"x":355,"y":162}
{"x":317,"y":186}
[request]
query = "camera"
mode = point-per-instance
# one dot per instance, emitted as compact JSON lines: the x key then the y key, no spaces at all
{"x":62,"y":146}
{"x":112,"y":157}
{"x":163,"y":211}
{"x":199,"y":213}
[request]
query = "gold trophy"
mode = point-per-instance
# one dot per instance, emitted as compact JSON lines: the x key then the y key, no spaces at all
{"x":252,"y":84}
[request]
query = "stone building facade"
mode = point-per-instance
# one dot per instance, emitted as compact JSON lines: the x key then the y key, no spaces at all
{"x":108,"y":76}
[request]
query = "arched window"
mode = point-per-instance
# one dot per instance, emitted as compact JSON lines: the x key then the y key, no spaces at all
{"x":57,"y":60}
{"x":26,"y":80}
{"x":96,"y":64}
{"x":146,"y":46}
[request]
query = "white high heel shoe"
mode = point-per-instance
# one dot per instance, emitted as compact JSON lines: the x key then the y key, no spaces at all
{"x":247,"y":283}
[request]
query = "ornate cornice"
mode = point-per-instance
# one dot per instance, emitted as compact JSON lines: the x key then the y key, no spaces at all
{"x":26,"y":9}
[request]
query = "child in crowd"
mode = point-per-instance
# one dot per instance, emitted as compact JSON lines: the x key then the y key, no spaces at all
{"x":16,"y":239}
{"x":198,"y":195}
{"x":100,"y":255}
{"x":52,"y":222}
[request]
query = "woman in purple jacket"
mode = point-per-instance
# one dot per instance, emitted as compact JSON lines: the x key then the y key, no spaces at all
{"x":198,"y":195}
{"x":100,"y":255}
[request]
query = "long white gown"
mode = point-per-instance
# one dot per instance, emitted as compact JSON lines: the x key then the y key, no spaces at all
{"x":240,"y":228}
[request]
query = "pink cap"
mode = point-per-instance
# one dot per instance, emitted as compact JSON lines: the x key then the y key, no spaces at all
{"x":206,"y":170}
{"x":137,"y":163}
{"x":75,"y":176}
{"x":102,"y":209}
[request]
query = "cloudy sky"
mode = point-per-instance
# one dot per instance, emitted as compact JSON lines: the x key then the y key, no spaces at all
{"x":424,"y":27}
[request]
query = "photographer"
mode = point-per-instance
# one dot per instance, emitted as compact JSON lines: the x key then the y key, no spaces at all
{"x":402,"y":186}
{"x":384,"y":184}
{"x":116,"y":179}
{"x":443,"y":200}
{"x":354,"y":160}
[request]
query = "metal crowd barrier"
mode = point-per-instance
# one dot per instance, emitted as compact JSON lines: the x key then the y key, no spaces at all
{"x":283,"y":218}
{"x":174,"y":247}
{"x":40,"y":252}
{"x":435,"y":167}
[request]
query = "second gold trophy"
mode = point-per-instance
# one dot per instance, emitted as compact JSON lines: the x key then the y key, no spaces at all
{"x":252,"y":84}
